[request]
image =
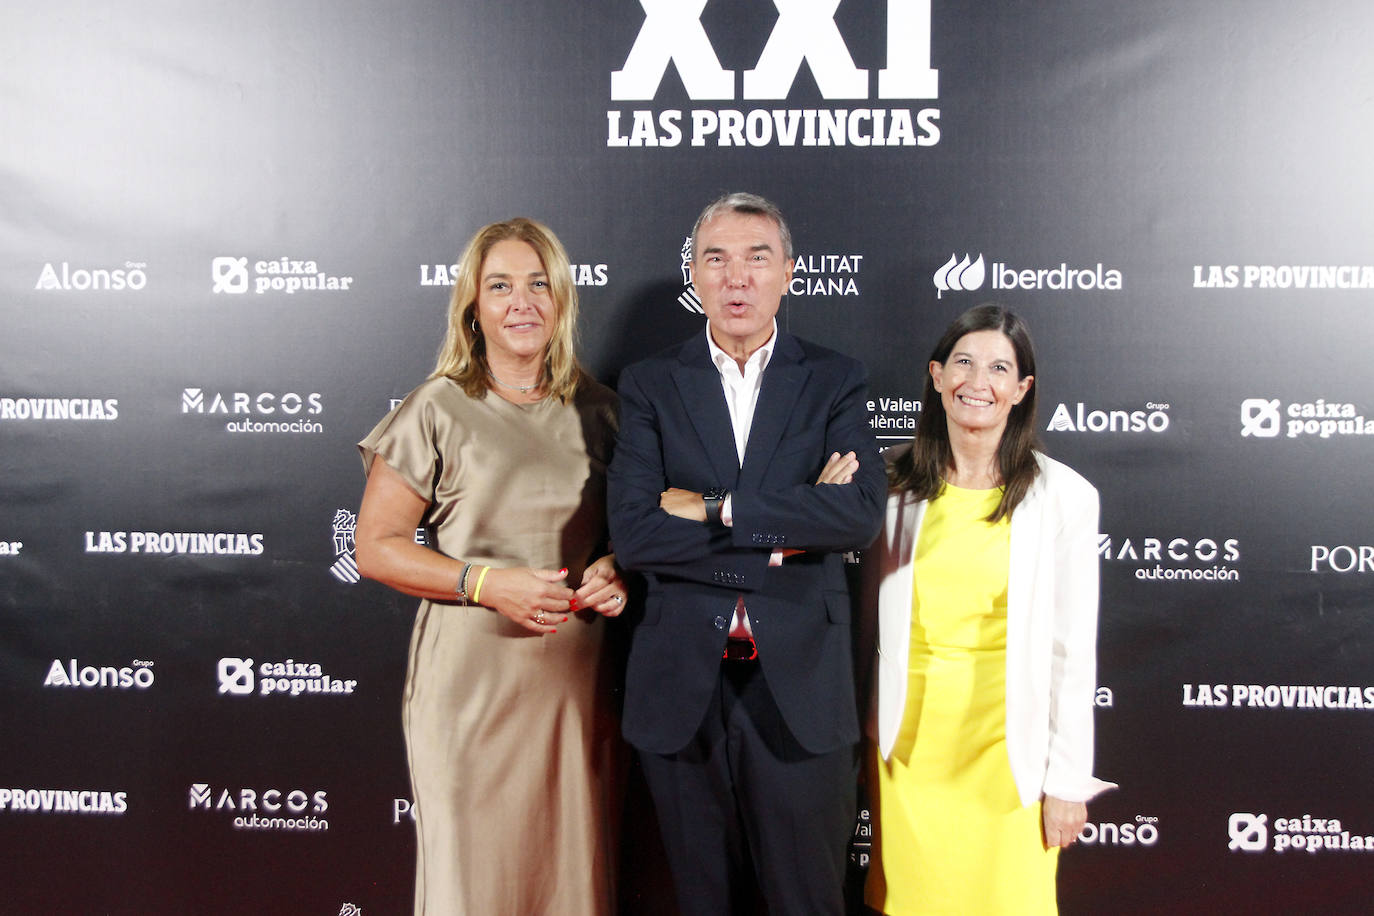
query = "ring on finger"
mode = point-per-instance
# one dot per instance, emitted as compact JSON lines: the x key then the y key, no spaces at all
{"x":539,"y":618}
{"x":616,"y":599}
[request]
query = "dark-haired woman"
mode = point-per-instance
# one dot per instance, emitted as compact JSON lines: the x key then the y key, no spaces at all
{"x":501,"y":456}
{"x":985,"y":578}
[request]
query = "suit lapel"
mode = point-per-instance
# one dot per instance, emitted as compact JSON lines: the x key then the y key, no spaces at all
{"x":698,"y":384}
{"x":783,"y":381}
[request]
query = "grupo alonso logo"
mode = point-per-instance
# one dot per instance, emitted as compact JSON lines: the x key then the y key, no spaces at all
{"x":1153,"y":418}
{"x":137,"y":675}
{"x":132,"y":276}
{"x":1143,"y":831}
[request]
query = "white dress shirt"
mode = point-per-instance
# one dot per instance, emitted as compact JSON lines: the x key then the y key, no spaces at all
{"x":741,"y":397}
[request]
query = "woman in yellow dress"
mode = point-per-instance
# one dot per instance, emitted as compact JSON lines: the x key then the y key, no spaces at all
{"x":985,"y":580}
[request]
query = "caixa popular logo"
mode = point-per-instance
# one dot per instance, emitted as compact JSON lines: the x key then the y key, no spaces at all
{"x":1254,"y":833}
{"x":1268,"y":418}
{"x":805,"y":31}
{"x":238,"y":677}
{"x":233,"y":275}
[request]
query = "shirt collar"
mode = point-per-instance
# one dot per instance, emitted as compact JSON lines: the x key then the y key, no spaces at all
{"x":761,"y":356}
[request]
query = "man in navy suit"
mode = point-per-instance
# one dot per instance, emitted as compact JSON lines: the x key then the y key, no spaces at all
{"x":745,"y":467}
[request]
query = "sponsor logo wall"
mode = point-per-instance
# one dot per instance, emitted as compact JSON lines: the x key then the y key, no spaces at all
{"x":229,"y":257}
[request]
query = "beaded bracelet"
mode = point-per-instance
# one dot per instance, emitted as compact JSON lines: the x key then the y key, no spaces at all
{"x":463,"y":583}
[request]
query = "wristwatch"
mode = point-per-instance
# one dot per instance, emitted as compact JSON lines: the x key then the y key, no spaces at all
{"x":715,"y":501}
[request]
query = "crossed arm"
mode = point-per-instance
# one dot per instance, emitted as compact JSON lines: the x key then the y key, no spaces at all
{"x":658,"y":527}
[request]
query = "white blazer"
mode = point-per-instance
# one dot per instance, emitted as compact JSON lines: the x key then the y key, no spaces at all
{"x":1051,"y":631}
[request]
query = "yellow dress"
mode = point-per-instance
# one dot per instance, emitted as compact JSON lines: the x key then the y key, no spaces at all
{"x":952,"y":835}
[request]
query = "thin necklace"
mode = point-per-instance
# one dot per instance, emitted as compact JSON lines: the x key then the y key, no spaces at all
{"x":523,"y":389}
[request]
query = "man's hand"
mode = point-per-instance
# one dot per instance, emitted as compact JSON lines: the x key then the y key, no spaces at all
{"x":839,"y":469}
{"x":683,"y":504}
{"x":688,"y":504}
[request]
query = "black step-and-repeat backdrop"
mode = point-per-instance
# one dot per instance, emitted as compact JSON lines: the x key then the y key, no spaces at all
{"x":227,"y":235}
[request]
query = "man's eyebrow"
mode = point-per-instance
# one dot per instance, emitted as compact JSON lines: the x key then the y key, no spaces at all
{"x":714,"y":249}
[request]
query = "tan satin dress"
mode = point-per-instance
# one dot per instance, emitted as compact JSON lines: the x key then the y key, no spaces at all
{"x":512,"y":742}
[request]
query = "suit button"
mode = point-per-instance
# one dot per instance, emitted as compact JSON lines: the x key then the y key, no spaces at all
{"x":719,"y":623}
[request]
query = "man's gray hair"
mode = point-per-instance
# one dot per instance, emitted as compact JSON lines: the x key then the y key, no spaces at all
{"x":750,"y":205}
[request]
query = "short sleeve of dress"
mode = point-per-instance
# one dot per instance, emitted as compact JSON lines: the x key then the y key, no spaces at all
{"x":405,"y":440}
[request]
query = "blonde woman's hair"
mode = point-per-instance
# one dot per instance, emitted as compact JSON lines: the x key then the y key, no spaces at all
{"x":463,"y":355}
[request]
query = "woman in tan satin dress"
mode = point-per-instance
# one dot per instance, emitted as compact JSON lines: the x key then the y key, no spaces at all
{"x":501,"y":456}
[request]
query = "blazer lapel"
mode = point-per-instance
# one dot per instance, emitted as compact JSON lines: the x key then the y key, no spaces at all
{"x":698,"y":384}
{"x":783,"y":381}
{"x":1027,"y":538}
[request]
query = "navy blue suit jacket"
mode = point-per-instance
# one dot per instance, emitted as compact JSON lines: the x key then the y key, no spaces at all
{"x":675,"y":431}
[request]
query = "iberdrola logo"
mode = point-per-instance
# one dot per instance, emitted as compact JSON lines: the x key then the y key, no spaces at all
{"x":958,"y":275}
